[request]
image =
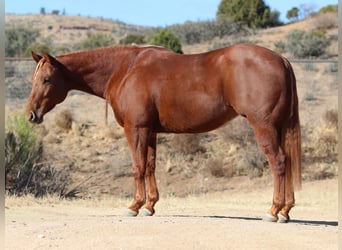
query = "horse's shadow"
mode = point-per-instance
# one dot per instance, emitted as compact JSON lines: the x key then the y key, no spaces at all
{"x":292,"y":221}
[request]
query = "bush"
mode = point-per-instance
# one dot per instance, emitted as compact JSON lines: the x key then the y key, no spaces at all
{"x":36,"y":47}
{"x":187,"y":144}
{"x":24,"y":171}
{"x":303,"y":44}
{"x":64,"y":119}
{"x":331,"y":118}
{"x":197,"y":32}
{"x":96,"y":41}
{"x":18,"y":39}
{"x":250,"y":12}
{"x":22,"y":150}
{"x":168,"y":40}
{"x":133,"y":39}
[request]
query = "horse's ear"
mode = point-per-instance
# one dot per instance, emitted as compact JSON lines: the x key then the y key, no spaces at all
{"x":50,"y":59}
{"x":36,"y":57}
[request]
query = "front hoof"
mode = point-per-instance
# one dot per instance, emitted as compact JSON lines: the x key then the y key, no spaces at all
{"x":269,"y":218}
{"x":282,"y":219}
{"x":146,"y":212}
{"x":130,"y":213}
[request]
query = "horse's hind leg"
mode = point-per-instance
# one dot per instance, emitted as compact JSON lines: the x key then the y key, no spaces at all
{"x":269,"y":138}
{"x":152,"y":193}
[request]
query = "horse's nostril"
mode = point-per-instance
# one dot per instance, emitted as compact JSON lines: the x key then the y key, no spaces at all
{"x":32,"y":117}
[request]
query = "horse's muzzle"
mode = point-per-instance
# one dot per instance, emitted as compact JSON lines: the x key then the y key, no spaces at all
{"x":34,"y":118}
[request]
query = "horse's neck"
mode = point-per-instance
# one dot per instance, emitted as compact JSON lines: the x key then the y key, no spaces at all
{"x":90,"y":72}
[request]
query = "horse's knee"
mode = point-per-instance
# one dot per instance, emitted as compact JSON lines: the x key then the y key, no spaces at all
{"x":276,"y":158}
{"x":138,"y":172}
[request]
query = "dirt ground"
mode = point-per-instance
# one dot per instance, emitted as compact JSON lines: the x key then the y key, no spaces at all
{"x":221,"y":220}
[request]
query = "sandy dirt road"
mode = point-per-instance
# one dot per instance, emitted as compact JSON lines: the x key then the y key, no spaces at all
{"x":224,"y":220}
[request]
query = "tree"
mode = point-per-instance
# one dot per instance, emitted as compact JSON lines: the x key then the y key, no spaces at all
{"x":253,"y":13}
{"x":168,"y":40}
{"x":293,"y":14}
{"x":42,"y":11}
{"x":329,"y":8}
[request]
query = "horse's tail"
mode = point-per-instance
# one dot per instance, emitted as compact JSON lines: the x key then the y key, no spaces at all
{"x":291,"y":137}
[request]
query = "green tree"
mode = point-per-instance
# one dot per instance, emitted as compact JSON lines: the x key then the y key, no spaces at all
{"x":17,"y":40}
{"x":42,"y":11}
{"x":293,"y":14}
{"x":253,"y":13}
{"x":168,"y":40}
{"x":329,"y":8}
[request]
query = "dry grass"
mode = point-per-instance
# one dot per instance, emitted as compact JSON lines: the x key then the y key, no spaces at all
{"x":325,"y":21}
{"x":64,"y":119}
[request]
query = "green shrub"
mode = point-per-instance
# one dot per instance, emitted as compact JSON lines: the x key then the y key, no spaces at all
{"x":37,"y":47}
{"x":304,"y":44}
{"x":18,"y":39}
{"x":96,"y":41}
{"x":22,"y":150}
{"x":133,"y":39}
{"x":253,"y":13}
{"x":197,"y":32}
{"x":168,"y":40}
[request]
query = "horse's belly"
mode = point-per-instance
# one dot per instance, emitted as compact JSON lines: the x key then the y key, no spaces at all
{"x":194,"y":117}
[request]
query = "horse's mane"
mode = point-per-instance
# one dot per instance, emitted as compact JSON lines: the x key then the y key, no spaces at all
{"x":117,"y":48}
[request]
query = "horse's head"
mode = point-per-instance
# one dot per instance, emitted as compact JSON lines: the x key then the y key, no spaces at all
{"x":48,"y":87}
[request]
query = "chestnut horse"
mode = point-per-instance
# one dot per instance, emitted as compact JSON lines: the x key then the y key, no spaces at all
{"x":153,"y":90}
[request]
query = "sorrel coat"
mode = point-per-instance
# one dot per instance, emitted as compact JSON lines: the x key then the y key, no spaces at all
{"x":154,"y":90}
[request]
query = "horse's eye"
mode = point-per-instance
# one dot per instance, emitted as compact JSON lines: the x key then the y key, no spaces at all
{"x":46,"y":80}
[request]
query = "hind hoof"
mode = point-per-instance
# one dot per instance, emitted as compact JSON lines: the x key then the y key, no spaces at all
{"x":282,"y":219}
{"x":269,"y":218}
{"x":130,"y":213}
{"x":146,"y":212}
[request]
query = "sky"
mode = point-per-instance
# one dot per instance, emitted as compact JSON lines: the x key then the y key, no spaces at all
{"x":148,"y":12}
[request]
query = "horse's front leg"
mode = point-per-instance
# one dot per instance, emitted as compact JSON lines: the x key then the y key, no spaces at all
{"x":137,"y":139}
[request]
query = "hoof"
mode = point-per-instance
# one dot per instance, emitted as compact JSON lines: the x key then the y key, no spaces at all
{"x":130,"y":213}
{"x":282,"y":219}
{"x":146,"y":212}
{"x":269,"y":218}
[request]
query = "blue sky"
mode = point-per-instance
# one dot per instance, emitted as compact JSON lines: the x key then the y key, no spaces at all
{"x":147,"y":12}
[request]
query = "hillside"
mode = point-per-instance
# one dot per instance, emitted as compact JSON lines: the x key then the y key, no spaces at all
{"x":68,"y":30}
